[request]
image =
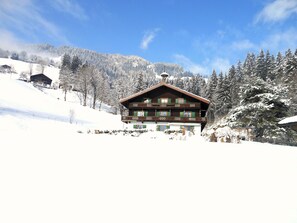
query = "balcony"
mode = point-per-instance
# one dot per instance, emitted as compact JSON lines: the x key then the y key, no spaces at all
{"x":163,"y":119}
{"x":160,"y":105}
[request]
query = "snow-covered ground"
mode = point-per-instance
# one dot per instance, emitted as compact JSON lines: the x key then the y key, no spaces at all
{"x":21,"y":66}
{"x":51,"y":173}
{"x":289,"y":120}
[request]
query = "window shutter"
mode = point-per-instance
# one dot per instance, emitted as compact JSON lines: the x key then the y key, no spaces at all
{"x":181,"y":114}
{"x":185,"y":100}
{"x":150,"y":100}
{"x":145,"y":113}
{"x":176,"y":101}
{"x":193,"y":114}
{"x":135,"y":113}
{"x":158,"y":114}
{"x":169,"y":100}
{"x":169,"y":113}
{"x":159,"y":100}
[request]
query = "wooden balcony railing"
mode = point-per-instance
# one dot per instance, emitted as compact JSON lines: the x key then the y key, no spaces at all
{"x":163,"y":119}
{"x":160,"y":105}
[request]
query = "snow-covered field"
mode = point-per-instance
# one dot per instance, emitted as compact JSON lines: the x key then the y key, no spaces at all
{"x":21,"y":66}
{"x":51,"y":173}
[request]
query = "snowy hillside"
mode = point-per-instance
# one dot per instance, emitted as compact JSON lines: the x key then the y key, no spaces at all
{"x":21,"y":66}
{"x":51,"y":173}
{"x":23,"y":106}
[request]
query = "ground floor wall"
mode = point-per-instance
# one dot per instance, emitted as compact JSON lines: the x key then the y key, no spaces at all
{"x":193,"y":128}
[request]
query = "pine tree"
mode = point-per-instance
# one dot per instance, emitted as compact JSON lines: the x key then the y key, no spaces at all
{"x":261,"y":66}
{"x":270,"y":66}
{"x":75,"y":64}
{"x":66,"y":61}
{"x":140,"y":86}
{"x":279,"y":68}
{"x":249,"y":66}
{"x":290,"y":79}
{"x":262,"y":107}
{"x":210,"y":92}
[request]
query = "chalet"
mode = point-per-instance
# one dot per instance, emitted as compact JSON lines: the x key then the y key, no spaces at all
{"x":41,"y":79}
{"x":5,"y":68}
{"x":290,"y":122}
{"x":164,"y":106}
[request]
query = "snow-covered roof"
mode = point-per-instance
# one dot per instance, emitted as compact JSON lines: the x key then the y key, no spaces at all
{"x":169,"y":86}
{"x":289,"y":120}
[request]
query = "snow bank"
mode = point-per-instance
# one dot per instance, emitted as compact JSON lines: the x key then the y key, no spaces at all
{"x":288,"y":120}
{"x":100,"y":178}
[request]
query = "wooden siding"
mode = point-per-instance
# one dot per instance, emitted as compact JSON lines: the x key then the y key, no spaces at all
{"x":163,"y":119}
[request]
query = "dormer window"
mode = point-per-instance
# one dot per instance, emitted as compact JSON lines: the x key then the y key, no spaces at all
{"x":164,"y":100}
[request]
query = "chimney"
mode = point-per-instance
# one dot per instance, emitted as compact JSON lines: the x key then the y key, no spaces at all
{"x":164,"y":76}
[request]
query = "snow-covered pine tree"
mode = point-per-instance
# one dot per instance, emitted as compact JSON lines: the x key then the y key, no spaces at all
{"x":66,"y":61}
{"x":270,"y":66}
{"x":210,"y":92}
{"x":249,"y":66}
{"x":290,"y":79}
{"x":262,"y":106}
{"x":140,"y":86}
{"x":261,"y":70}
{"x":279,"y":68}
{"x":75,"y":64}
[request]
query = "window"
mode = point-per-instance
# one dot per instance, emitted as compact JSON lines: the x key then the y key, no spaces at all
{"x":147,"y":100}
{"x":187,"y":114}
{"x":139,"y":126}
{"x":164,"y":100}
{"x":140,"y":113}
{"x":162,"y":127}
{"x":163,"y":113}
{"x":180,"y":100}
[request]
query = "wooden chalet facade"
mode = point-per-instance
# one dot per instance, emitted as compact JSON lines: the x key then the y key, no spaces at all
{"x":164,"y":106}
{"x":41,"y":79}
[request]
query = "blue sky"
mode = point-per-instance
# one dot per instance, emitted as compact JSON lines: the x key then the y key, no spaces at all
{"x":197,"y":34}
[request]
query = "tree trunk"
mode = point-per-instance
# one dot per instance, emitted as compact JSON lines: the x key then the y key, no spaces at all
{"x":65,"y":91}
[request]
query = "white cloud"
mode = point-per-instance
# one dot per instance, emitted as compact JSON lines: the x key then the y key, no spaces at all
{"x":277,"y":10}
{"x":281,"y":41}
{"x":189,"y":65}
{"x":25,"y":17}
{"x":243,"y":45}
{"x":148,"y":38}
{"x":71,"y":7}
{"x":220,"y":65}
{"x":8,"y":41}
